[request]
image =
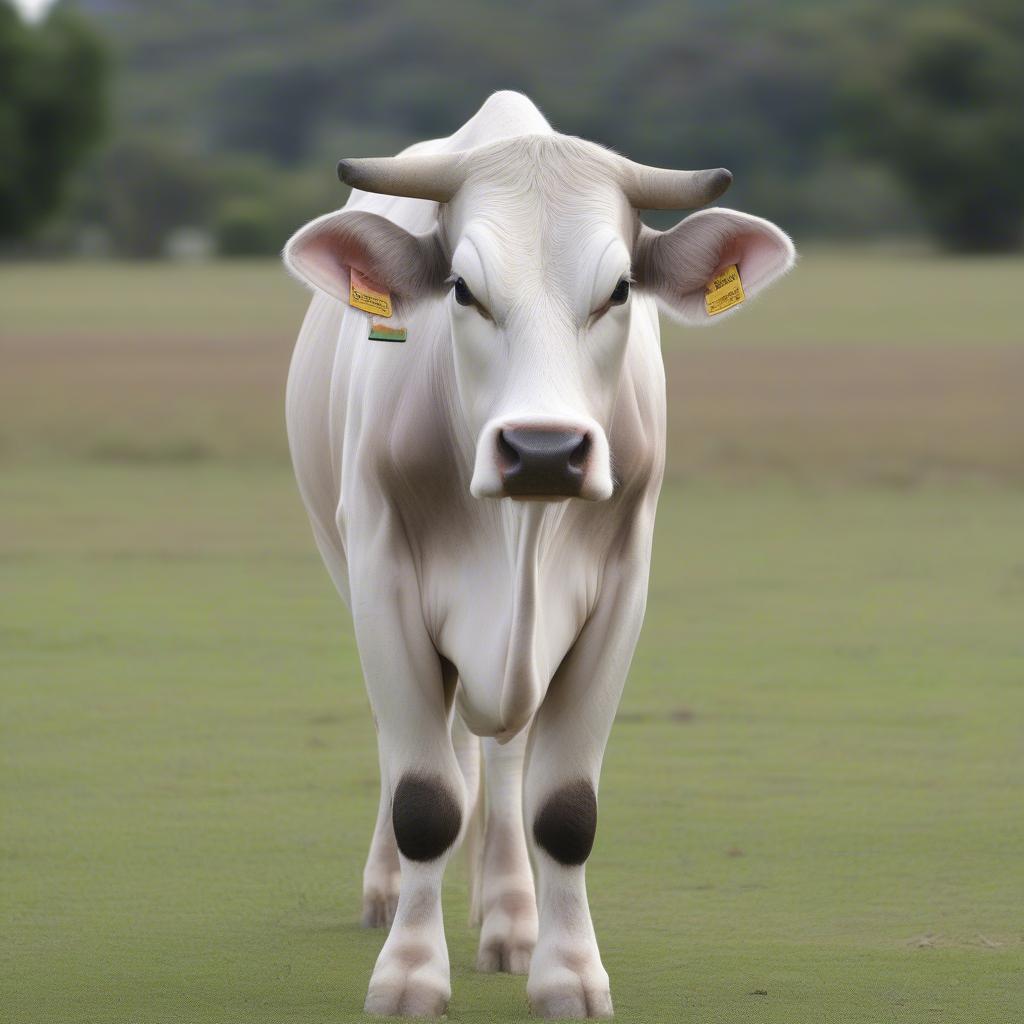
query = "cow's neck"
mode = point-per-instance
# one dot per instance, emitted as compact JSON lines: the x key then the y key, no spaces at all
{"x":525,"y":678}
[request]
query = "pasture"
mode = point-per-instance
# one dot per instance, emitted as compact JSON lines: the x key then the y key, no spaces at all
{"x":811,"y":806}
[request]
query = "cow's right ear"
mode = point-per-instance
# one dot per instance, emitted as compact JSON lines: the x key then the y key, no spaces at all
{"x":323,"y":253}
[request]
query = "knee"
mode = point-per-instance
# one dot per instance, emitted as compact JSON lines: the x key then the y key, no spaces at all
{"x":426,"y":816}
{"x":567,"y":822}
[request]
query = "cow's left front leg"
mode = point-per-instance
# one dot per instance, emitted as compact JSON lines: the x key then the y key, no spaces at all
{"x":567,"y":978}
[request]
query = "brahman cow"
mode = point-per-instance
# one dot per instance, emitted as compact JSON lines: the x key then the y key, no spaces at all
{"x":483,"y":493}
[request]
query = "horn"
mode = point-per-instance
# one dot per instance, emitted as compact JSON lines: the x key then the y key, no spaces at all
{"x":656,"y":188}
{"x":435,"y":176}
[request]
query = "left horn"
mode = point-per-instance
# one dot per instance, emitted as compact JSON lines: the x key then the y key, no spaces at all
{"x":434,"y":176}
{"x":656,"y":188}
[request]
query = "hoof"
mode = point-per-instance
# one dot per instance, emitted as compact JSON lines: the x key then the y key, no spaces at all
{"x":568,"y":994}
{"x":378,"y":909}
{"x":503,"y":957}
{"x":408,"y":998}
{"x":508,"y":935}
{"x":380,"y":896}
{"x":410,"y":980}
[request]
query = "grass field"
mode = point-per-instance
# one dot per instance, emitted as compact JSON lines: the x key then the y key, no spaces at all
{"x":811,"y":805}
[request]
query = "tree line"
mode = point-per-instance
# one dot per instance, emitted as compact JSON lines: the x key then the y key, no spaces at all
{"x":860,"y":119}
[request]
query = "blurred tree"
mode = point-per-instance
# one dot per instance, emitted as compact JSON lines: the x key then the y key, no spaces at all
{"x":52,"y":106}
{"x":758,"y":86}
{"x":942,"y":102}
{"x":272,"y":112}
{"x":246,"y":227}
{"x":141,"y":189}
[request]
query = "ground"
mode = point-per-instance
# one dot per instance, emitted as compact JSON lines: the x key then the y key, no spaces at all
{"x":810,"y":809}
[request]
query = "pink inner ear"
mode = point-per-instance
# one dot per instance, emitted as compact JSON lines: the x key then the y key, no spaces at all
{"x":328,"y":252}
{"x":704,"y":244}
{"x":755,"y":256}
{"x":366,"y":283}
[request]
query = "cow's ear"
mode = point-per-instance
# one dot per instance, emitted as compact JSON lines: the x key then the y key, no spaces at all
{"x":324,"y":252}
{"x":677,"y":265}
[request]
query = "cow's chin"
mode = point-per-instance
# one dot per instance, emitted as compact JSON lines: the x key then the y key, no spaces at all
{"x":595,"y":487}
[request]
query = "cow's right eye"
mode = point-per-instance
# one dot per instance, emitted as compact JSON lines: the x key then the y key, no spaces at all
{"x":463,"y":296}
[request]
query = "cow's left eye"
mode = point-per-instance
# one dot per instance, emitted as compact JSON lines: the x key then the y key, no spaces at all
{"x":621,"y":293}
{"x":463,"y":296}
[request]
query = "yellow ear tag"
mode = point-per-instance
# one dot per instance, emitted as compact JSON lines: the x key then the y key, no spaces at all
{"x":724,"y":291}
{"x":368,"y":296}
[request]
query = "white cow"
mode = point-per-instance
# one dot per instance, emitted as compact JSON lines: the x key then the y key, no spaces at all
{"x":437,"y":475}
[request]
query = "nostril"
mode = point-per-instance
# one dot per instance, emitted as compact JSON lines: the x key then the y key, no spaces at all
{"x":579,"y":455}
{"x":509,"y":455}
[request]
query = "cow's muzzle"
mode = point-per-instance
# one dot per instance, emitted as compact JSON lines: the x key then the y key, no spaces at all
{"x":547,"y":458}
{"x":539,"y":463}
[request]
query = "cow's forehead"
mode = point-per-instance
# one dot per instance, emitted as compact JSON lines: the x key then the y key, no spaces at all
{"x":541,"y":206}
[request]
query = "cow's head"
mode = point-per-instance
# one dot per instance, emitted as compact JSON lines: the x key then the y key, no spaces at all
{"x":540,"y":257}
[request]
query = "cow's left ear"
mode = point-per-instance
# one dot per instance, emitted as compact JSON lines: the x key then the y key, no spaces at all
{"x":324,"y":252}
{"x":678,"y":264}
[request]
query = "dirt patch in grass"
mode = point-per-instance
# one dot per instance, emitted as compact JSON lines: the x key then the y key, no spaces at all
{"x":890,"y":416}
{"x":144,"y":399}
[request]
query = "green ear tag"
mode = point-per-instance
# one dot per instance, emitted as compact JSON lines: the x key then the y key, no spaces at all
{"x":381,"y":332}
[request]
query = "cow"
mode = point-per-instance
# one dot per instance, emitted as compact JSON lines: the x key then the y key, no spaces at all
{"x":483,"y":494}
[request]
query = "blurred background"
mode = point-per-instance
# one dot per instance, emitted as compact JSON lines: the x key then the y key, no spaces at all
{"x":135,"y":129}
{"x":811,"y":803}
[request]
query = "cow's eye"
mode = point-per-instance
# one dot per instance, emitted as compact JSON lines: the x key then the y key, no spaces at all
{"x":463,"y":296}
{"x":621,"y":293}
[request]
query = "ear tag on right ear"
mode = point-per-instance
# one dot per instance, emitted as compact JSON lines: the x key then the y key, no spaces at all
{"x":724,"y":291}
{"x":367,"y":295}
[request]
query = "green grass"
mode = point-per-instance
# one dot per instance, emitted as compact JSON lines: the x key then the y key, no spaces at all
{"x":838,"y":297}
{"x":814,"y":789}
{"x":149,"y":299}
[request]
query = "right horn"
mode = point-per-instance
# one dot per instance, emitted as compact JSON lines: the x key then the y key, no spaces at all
{"x":435,"y":176}
{"x":658,"y":188}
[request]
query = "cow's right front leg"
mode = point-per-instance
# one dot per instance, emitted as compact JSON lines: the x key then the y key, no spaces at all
{"x":425,"y":792}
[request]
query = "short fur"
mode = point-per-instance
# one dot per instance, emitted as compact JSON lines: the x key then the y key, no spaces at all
{"x":523,"y":614}
{"x":567,"y":823}
{"x":425,"y":817}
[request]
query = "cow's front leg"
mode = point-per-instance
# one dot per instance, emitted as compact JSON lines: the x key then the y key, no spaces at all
{"x":382,"y":873}
{"x":410,"y":701}
{"x":509,"y":928}
{"x":567,"y":978}
{"x":411,"y":977}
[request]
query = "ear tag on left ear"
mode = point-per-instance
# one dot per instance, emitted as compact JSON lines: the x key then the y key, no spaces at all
{"x":724,"y":291}
{"x":381,"y":332}
{"x":367,"y":295}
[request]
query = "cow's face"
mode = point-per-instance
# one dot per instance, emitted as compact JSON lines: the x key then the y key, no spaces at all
{"x":539,"y":301}
{"x":538,"y":257}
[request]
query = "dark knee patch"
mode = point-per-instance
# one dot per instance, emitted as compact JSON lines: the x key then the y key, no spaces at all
{"x":567,"y":823}
{"x":426,"y":816}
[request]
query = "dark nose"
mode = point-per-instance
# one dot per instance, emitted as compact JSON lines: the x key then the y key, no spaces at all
{"x":543,"y":463}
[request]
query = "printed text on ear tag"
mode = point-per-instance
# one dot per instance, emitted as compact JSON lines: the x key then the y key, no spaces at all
{"x":724,"y":291}
{"x":368,"y":296}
